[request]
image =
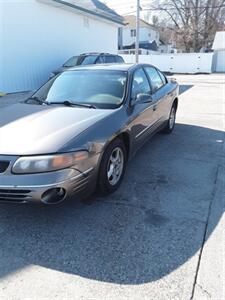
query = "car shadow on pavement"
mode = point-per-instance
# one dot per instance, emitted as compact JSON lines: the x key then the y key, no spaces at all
{"x":184,"y":87}
{"x":150,"y":227}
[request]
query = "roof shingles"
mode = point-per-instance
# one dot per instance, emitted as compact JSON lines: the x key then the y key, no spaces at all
{"x":94,"y":7}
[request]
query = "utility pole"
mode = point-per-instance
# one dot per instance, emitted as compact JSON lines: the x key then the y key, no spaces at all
{"x":137,"y":32}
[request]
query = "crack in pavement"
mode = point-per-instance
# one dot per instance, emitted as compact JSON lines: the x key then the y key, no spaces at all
{"x":203,"y":290}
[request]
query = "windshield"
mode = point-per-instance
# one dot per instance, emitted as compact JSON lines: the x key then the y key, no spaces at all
{"x":101,"y":88}
{"x":71,"y":62}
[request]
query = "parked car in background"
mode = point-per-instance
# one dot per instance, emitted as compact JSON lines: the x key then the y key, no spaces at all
{"x":88,"y":59}
{"x":77,"y":132}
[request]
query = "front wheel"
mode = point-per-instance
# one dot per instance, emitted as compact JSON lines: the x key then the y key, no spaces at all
{"x":171,"y":122}
{"x":112,"y":167}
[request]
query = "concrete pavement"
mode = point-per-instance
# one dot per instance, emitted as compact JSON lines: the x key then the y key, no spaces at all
{"x":159,"y":237}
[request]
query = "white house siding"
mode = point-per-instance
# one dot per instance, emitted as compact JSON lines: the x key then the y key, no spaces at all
{"x":36,"y":38}
{"x":219,"y":52}
{"x":146,"y":34}
{"x":219,"y":61}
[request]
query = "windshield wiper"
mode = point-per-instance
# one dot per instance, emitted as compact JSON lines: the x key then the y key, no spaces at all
{"x":69,"y":103}
{"x":37,"y":100}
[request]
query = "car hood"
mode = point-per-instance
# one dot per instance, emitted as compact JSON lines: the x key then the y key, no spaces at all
{"x":28,"y":129}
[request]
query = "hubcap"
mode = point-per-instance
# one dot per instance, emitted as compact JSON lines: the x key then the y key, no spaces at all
{"x":172,"y":118}
{"x":115,"y":166}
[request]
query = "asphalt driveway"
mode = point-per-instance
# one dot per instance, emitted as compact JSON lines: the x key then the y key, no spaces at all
{"x":158,"y":237}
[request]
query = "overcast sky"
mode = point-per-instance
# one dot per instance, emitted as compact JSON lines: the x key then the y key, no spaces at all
{"x":125,"y":6}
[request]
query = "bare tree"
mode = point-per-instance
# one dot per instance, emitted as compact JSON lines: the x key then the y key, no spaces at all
{"x":194,"y":22}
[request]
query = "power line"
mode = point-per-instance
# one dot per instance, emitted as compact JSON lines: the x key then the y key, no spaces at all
{"x":172,"y":9}
{"x":187,"y":7}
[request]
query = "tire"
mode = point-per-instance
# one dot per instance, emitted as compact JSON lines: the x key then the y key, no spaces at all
{"x":171,"y":122}
{"x":109,"y":184}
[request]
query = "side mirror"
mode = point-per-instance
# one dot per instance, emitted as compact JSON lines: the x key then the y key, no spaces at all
{"x":142,"y":98}
{"x":173,"y":80}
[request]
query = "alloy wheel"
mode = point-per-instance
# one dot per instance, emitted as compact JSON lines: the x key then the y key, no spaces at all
{"x":115,"y":166}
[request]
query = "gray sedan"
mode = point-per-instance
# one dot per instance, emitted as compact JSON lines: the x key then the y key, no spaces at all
{"x":77,"y":132}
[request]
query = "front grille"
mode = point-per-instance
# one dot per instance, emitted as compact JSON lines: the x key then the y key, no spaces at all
{"x":3,"y":165}
{"x":15,"y":195}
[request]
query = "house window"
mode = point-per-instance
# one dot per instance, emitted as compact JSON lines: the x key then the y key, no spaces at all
{"x":133,"y":32}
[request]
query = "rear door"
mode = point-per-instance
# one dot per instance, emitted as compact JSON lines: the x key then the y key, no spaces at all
{"x":159,"y":93}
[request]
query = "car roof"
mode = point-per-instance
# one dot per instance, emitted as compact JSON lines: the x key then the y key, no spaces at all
{"x":97,"y":53}
{"x":113,"y":67}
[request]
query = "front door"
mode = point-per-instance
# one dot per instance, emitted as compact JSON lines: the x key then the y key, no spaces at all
{"x":142,"y":115}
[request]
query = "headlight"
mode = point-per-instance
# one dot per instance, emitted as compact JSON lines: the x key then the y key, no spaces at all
{"x":47,"y":163}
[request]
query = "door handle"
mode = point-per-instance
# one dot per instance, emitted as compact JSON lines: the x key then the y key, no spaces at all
{"x":154,"y":107}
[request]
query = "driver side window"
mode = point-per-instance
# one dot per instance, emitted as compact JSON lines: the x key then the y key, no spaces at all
{"x":140,"y":84}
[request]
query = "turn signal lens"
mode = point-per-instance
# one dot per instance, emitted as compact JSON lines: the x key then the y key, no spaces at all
{"x":79,"y":156}
{"x":59,"y":161}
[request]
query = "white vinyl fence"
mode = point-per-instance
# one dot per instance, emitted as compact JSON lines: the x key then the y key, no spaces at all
{"x":177,"y":63}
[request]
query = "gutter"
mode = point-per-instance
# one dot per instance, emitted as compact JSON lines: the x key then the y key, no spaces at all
{"x":95,"y":13}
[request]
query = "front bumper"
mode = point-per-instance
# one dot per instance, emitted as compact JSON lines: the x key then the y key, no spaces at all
{"x":33,"y":188}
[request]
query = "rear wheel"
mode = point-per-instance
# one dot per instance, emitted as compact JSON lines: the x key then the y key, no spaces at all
{"x":171,"y":121}
{"x":112,"y":167}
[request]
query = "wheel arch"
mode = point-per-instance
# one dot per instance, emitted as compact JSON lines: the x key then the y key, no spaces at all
{"x":125,"y":137}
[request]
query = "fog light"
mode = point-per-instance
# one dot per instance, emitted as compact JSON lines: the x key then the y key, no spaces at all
{"x":53,"y":196}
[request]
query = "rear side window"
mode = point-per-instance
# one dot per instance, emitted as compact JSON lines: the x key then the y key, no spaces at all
{"x":119,"y":59}
{"x":110,"y":59}
{"x":156,"y":80}
{"x":140,"y":84}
